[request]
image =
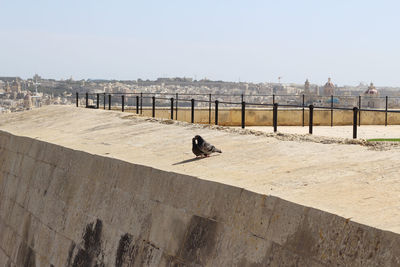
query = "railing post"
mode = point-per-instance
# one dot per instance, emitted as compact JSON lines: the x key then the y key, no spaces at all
{"x":104,"y":100}
{"x":87,"y":99}
{"x":310,"y":124}
{"x":242,"y":98}
{"x":176,"y":106}
{"x":154,"y":106}
{"x":137,"y":104}
{"x":273,"y":99}
{"x":216,"y":112}
{"x":141,"y":103}
{"x":331,"y":110}
{"x":355,"y":112}
{"x":97,"y":101}
{"x":192,"y":117}
{"x":359,"y":110}
{"x":275,"y":117}
{"x":386,"y":110}
{"x":123,"y":103}
{"x":172,"y":108}
{"x":77,"y":99}
{"x":109,"y":102}
{"x":209,"y":108}
{"x":243,"y":114}
{"x":303,"y":111}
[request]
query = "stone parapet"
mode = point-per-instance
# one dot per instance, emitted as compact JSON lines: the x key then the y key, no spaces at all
{"x":63,"y":207}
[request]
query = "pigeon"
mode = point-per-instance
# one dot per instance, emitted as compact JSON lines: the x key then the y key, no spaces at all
{"x":195,"y":148}
{"x":205,"y":148}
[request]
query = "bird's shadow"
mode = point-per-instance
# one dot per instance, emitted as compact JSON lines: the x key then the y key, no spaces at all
{"x":187,"y":161}
{"x":191,"y":160}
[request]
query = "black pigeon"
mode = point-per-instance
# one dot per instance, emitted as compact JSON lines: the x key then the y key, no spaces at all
{"x":195,"y":148}
{"x":205,"y":148}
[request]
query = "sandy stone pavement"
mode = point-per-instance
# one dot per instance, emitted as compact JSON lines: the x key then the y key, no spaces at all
{"x":353,"y":179}
{"x":364,"y":131}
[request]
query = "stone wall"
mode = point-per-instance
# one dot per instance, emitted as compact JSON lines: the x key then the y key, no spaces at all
{"x":286,"y":117}
{"x":61,"y":207}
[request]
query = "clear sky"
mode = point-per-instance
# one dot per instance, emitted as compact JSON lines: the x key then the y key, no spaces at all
{"x":257,"y":41}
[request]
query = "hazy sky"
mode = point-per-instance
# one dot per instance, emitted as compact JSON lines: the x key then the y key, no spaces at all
{"x":258,"y":41}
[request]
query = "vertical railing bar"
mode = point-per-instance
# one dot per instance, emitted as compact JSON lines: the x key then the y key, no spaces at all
{"x":192,"y":111}
{"x":176,"y":106}
{"x":386,"y":111}
{"x":137,"y":104}
{"x":154,"y":106}
{"x":275,"y":117}
{"x":172,"y":108}
{"x":355,"y":112}
{"x":331,"y":110}
{"x":243,"y":113}
{"x":311,"y":116}
{"x":359,"y":110}
{"x":141,"y":103}
{"x":209,"y":108}
{"x":216,"y":112}
{"x":303,"y":110}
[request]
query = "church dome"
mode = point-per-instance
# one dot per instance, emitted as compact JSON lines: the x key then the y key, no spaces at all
{"x":371,"y":90}
{"x":329,"y":87}
{"x":329,"y":84}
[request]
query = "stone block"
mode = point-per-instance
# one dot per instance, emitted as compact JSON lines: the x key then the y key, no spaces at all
{"x":75,"y":224}
{"x":42,"y":176}
{"x":61,"y":250}
{"x":139,"y":219}
{"x":44,"y":242}
{"x":238,"y":248}
{"x":120,"y":209}
{"x":54,"y":214}
{"x":253,"y":213}
{"x":285,"y":221}
{"x":131,"y":178}
{"x":178,"y":191}
{"x":168,"y":227}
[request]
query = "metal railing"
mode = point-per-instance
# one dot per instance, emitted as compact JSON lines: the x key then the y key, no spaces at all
{"x":138,"y":100}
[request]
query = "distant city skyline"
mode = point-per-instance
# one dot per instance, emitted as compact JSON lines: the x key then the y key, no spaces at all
{"x":255,"y":41}
{"x":364,"y":84}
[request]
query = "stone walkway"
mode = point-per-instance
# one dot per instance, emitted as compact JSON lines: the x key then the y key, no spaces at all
{"x":363,"y":132}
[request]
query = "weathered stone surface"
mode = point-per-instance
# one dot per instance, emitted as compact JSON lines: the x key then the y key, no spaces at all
{"x":61,"y":207}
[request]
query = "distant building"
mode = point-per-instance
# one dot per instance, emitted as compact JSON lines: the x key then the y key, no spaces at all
{"x":308,"y":99}
{"x":28,"y":101}
{"x":371,"y":91}
{"x":10,"y":79}
{"x":371,"y":97}
{"x":16,"y":86}
{"x":329,"y":88}
{"x":36,"y":101}
{"x":307,"y":87}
